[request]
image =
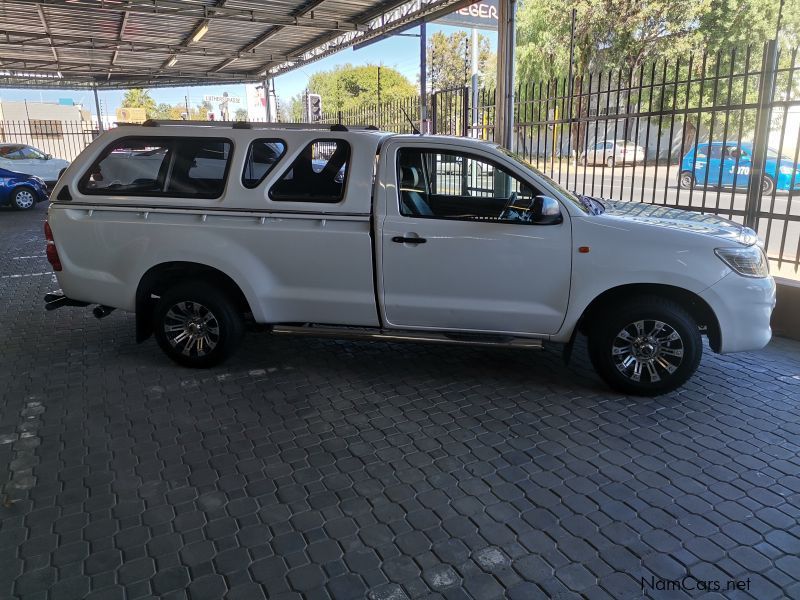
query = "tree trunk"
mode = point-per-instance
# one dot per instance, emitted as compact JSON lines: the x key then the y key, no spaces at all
{"x":689,"y":135}
{"x":580,"y":109}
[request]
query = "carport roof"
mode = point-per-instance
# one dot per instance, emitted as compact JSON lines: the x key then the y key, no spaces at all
{"x":136,"y":43}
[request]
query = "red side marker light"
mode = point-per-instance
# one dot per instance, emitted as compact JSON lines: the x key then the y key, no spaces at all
{"x":583,"y":249}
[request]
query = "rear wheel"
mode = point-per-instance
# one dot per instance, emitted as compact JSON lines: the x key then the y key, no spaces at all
{"x":686,"y":180}
{"x":197,"y":325}
{"x":645,"y":347}
{"x":610,"y":161}
{"x":23,"y":199}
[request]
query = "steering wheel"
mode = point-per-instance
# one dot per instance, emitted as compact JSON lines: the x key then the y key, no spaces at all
{"x":504,"y":214}
{"x":517,"y":213}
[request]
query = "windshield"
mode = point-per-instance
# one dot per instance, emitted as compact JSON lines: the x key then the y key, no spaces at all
{"x":565,"y":193}
{"x":772,"y":153}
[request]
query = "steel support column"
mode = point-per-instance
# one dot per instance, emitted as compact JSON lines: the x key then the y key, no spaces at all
{"x":766,"y":94}
{"x":97,"y":106}
{"x":506,"y":40}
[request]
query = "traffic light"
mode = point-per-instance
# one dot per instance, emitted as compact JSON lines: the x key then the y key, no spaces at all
{"x":314,"y":108}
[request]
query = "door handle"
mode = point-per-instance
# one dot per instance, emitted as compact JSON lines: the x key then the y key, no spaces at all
{"x":399,"y":239}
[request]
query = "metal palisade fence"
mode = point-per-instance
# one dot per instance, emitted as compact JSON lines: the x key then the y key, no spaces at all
{"x":61,"y":139}
{"x":714,"y":134}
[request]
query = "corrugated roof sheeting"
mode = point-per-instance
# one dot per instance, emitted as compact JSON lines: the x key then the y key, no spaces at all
{"x":127,"y":43}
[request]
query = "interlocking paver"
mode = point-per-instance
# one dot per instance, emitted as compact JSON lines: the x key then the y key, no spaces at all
{"x":322,"y":469}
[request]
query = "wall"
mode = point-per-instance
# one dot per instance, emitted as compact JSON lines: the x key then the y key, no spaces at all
{"x":60,"y":130}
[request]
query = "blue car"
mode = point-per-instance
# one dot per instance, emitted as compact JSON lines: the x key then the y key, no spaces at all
{"x":728,"y":165}
{"x":20,"y":190}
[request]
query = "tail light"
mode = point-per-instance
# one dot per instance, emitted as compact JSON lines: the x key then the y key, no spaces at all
{"x":52,"y":251}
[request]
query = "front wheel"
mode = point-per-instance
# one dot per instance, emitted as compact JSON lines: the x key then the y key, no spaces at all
{"x":610,"y":162}
{"x":767,"y":185}
{"x":23,"y":199}
{"x":197,"y":325}
{"x":645,"y":347}
{"x":686,"y":180}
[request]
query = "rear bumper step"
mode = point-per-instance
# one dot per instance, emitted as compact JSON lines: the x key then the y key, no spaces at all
{"x":55,"y":300}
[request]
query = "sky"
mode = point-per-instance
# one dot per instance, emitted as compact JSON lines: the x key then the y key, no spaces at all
{"x":399,"y":52}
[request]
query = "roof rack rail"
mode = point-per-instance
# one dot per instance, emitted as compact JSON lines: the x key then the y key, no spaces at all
{"x":257,"y":125}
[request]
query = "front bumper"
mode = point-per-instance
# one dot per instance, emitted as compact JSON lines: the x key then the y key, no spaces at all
{"x":743,"y":307}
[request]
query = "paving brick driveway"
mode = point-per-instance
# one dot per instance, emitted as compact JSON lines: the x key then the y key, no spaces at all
{"x":320,"y":469}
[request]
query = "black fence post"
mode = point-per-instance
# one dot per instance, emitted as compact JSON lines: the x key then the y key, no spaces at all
{"x":766,"y":92}
{"x":465,"y":112}
{"x":434,"y":117}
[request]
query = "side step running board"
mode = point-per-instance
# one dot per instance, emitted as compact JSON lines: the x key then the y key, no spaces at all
{"x":383,"y":335}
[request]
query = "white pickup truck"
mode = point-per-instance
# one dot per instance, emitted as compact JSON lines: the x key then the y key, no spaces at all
{"x":200,"y":228}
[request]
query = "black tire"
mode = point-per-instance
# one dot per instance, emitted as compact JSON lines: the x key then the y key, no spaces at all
{"x":188,"y":305}
{"x":609,"y":351}
{"x":686,"y":180}
{"x":23,"y":199}
{"x":767,"y":185}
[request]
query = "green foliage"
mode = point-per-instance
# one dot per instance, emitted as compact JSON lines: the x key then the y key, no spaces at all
{"x":349,"y":87}
{"x":635,"y":39}
{"x":624,"y":34}
{"x":140,"y":98}
{"x":240,"y":114}
{"x":449,"y":60}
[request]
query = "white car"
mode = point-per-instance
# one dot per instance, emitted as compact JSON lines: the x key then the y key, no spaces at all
{"x":359,"y":233}
{"x":613,"y":152}
{"x":31,"y":161}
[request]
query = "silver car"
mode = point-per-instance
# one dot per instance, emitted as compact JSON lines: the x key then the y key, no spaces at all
{"x":22,"y":158}
{"x":611,"y":152}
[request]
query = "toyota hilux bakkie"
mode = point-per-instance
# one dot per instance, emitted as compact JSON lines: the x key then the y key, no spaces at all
{"x":352,"y":232}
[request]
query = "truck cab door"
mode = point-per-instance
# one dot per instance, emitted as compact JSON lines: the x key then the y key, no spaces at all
{"x":459,"y":250}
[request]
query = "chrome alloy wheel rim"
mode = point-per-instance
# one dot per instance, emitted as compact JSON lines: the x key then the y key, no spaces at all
{"x":686,"y":180}
{"x":24,"y":199}
{"x":191,"y":328}
{"x":647,"y":351}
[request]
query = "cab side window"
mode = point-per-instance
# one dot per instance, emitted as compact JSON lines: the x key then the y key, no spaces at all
{"x":13,"y":153}
{"x":160,"y":166}
{"x":317,"y":174}
{"x":446,"y":185}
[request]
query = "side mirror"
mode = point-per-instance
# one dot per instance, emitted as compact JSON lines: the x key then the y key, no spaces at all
{"x":48,"y":156}
{"x":546,"y":211}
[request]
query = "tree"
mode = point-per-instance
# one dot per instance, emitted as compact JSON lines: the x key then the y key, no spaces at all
{"x":450,"y":57}
{"x":291,"y":110}
{"x":167,"y":111}
{"x":349,"y":87}
{"x":140,"y":98}
{"x":621,"y":35}
{"x":240,"y":114}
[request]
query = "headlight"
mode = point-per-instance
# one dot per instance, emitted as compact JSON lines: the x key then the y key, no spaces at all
{"x":787,"y":170}
{"x":748,"y":262}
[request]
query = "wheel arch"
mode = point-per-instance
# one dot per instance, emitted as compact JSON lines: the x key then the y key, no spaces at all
{"x":698,"y":308}
{"x":23,"y":186}
{"x":159,"y":278}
